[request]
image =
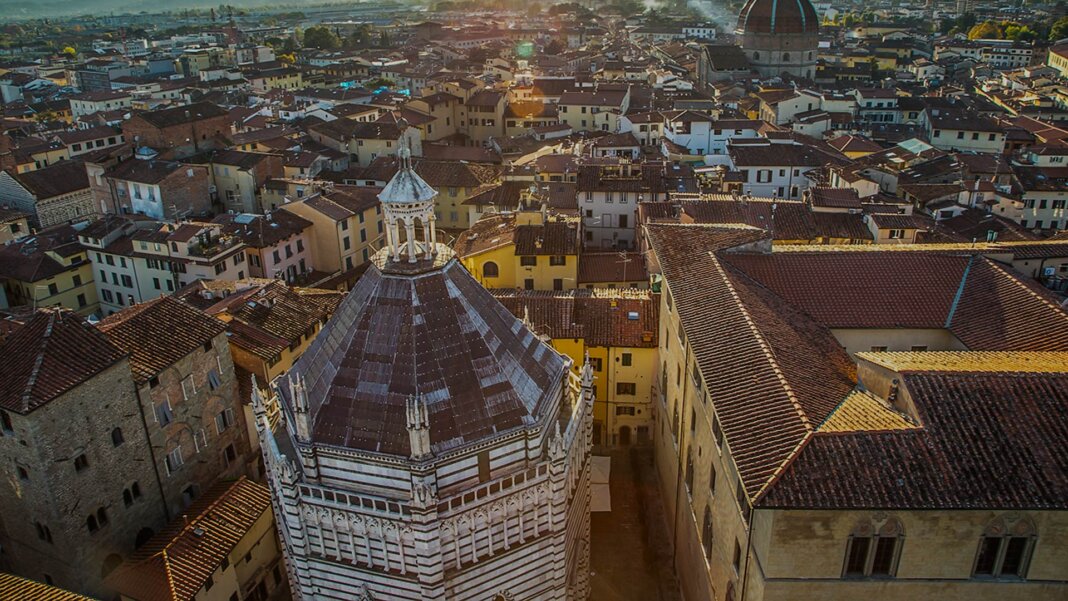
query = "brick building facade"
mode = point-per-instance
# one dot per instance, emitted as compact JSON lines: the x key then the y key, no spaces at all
{"x":180,"y":131}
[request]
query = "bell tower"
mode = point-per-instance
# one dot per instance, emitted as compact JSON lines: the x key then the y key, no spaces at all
{"x":406,"y":200}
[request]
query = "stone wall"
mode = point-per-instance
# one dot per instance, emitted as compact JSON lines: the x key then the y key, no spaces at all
{"x":59,"y":497}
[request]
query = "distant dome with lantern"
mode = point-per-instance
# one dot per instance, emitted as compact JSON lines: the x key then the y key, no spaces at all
{"x":780,"y":37}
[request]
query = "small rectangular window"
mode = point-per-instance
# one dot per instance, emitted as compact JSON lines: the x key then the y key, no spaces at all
{"x":213,"y":380}
{"x":164,"y":415}
{"x":188,"y":388}
{"x":174,"y":460}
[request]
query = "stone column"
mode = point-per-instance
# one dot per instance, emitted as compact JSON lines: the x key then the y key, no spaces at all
{"x":413,"y":253}
{"x":426,"y":239}
{"x":389,"y":239}
{"x":396,"y":239}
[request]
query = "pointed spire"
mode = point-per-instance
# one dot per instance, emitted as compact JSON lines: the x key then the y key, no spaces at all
{"x":418,"y":423}
{"x":301,"y":417}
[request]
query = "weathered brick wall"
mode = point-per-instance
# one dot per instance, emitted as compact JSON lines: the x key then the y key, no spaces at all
{"x":180,"y":140}
{"x":186,"y":189}
{"x":55,"y":494}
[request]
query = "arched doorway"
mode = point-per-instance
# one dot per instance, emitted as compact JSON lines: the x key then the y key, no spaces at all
{"x":624,"y":436}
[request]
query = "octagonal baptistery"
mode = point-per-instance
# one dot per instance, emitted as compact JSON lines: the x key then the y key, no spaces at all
{"x":430,"y":446}
{"x":780,"y":36}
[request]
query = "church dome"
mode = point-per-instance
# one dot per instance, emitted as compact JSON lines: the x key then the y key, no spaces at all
{"x":425,"y":331}
{"x":778,"y":17}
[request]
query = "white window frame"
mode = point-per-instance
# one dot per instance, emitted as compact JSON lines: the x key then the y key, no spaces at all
{"x":188,"y":379}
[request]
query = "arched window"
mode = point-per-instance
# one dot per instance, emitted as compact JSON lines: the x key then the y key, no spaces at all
{"x":706,"y":532}
{"x":116,"y":437}
{"x":1005,"y":549}
{"x":756,"y":56}
{"x":786,"y":56}
{"x":102,"y":516}
{"x":127,"y":497}
{"x":135,"y":490}
{"x":490,"y":270}
{"x":874,"y":548}
{"x":90,"y":523}
{"x":712,"y":480}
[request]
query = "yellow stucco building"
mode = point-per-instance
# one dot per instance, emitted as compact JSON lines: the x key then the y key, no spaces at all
{"x":528,"y":249}
{"x":45,"y":271}
{"x":617,"y":331}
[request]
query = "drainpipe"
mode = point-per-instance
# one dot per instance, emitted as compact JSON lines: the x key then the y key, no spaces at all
{"x":748,"y":547}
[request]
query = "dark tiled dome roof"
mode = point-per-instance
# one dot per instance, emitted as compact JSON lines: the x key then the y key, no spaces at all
{"x":778,"y":16}
{"x":438,"y":334}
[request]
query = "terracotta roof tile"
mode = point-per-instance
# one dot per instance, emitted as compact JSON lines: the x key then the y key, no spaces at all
{"x":176,"y":563}
{"x":61,"y":178}
{"x":159,"y":333}
{"x":975,"y":429}
{"x":773,"y":373}
{"x":612,"y":267}
{"x":54,"y":352}
{"x":602,"y":317}
{"x":14,"y":588}
{"x":550,"y":238}
{"x":863,"y":411}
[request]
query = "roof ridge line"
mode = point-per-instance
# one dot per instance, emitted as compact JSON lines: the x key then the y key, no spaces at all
{"x":169,"y":574}
{"x":1018,"y":283}
{"x":960,"y":291}
{"x":764,"y":346}
{"x":781,"y":468}
{"x":38,"y":362}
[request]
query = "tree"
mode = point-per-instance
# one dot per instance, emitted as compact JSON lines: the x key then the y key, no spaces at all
{"x":381,"y":82}
{"x":70,"y":52}
{"x":1059,"y":31}
{"x":321,"y":38}
{"x":360,"y":37}
{"x":1020,"y":33}
{"x":987,"y":30}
